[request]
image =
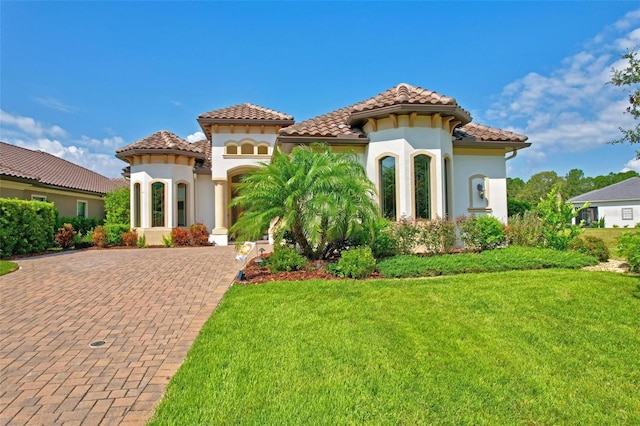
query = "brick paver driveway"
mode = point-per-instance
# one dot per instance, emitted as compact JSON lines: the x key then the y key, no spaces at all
{"x":147,"y":305}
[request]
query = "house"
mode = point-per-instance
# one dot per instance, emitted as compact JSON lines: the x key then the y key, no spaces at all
{"x":420,"y":149}
{"x":37,"y":175}
{"x":617,"y":204}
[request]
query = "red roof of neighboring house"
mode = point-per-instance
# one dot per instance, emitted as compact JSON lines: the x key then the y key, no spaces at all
{"x":46,"y":169}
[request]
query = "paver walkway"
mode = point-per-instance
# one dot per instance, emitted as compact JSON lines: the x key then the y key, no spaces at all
{"x":147,"y":305}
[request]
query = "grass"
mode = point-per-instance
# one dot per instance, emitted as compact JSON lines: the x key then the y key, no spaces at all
{"x":6,"y":267}
{"x":529,"y":347}
{"x":507,"y":259}
{"x":610,"y":237}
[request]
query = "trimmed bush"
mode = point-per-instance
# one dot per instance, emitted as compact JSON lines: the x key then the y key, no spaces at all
{"x":65,"y":236}
{"x":26,"y":226}
{"x":81,"y":225}
{"x":114,"y":233}
{"x":130,"y":238}
{"x":180,"y":237}
{"x":592,"y":246}
{"x":99,"y":237}
{"x":356,"y":263}
{"x":481,"y":233}
{"x":199,"y":234}
{"x":629,"y":248}
{"x":284,"y":258}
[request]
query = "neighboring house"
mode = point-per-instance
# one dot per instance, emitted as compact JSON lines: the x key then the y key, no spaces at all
{"x":418,"y":147}
{"x":617,"y":204}
{"x":36,"y":175}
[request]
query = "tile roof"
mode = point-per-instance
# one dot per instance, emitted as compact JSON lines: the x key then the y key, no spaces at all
{"x":486,"y":133}
{"x":246,"y":111}
{"x":160,"y":142}
{"x":337,"y":123}
{"x":205,"y":146}
{"x":47,"y":169}
{"x":626,"y":190}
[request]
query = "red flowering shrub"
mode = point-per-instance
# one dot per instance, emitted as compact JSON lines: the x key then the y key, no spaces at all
{"x":64,"y":236}
{"x":199,"y":234}
{"x":180,"y":237}
{"x":130,"y":238}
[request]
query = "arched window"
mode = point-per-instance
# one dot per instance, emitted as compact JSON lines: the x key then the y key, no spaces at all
{"x":263,"y":150}
{"x":247,"y":149}
{"x":232,"y":149}
{"x":421,"y":181}
{"x":157,"y":204}
{"x":387,"y":167}
{"x":136,"y":205}
{"x":181,"y":200}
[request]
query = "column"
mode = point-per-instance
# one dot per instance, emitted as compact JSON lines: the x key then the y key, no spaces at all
{"x":219,"y":233}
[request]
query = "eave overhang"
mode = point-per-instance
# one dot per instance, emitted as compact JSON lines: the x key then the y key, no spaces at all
{"x":357,"y":119}
{"x":330,"y":140}
{"x":474,"y":143}
{"x":205,"y":123}
{"x":133,"y":152}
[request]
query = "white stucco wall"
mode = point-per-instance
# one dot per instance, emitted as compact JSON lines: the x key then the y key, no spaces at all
{"x":204,"y":200}
{"x":223,"y":163}
{"x":612,"y":212}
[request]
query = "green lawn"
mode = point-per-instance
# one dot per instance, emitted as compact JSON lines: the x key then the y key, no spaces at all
{"x":6,"y":267}
{"x":610,"y":237}
{"x":527,"y":347}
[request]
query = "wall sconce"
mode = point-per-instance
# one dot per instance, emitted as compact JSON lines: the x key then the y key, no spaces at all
{"x":480,"y":189}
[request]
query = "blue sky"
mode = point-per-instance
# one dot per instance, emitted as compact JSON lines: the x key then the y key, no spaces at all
{"x":80,"y":79}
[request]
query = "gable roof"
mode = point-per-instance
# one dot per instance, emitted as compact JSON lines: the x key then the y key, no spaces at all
{"x":45,"y":169}
{"x":162,"y":142}
{"x":622,"y":191}
{"x":345,"y":123}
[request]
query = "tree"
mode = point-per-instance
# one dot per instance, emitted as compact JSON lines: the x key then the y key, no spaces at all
{"x":318,"y":197}
{"x":575,"y":183}
{"x":514,"y":186}
{"x":557,"y":217}
{"x":538,"y":186}
{"x":116,"y":204}
{"x":630,"y":77}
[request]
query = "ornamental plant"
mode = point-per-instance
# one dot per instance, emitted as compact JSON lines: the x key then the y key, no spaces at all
{"x":65,"y":236}
{"x":355,"y":263}
{"x":284,"y":258}
{"x":481,"y":233}
{"x":593,"y":246}
{"x":557,"y":217}
{"x":199,"y":235}
{"x":180,"y":237}
{"x":629,"y":248}
{"x":130,"y":238}
{"x":99,"y":237}
{"x":438,"y":235}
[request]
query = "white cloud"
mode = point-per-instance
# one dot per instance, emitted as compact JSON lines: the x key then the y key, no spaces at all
{"x":195,"y":137}
{"x":56,"y":104}
{"x":572,"y":108}
{"x":632,"y":165}
{"x":104,"y":144}
{"x":29,"y":125}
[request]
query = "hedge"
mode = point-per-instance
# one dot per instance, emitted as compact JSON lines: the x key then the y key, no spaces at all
{"x":26,"y":226}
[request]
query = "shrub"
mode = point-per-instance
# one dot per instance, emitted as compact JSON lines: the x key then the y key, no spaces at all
{"x":117,"y":206}
{"x":405,"y":234}
{"x":83,"y":241}
{"x":99,"y":237}
{"x":384,"y":243}
{"x":26,"y":226}
{"x":481,"y":233}
{"x":199,"y":234}
{"x":284,"y":258}
{"x":356,"y":263}
{"x":167,"y":241}
{"x":65,"y":236}
{"x":438,"y":235}
{"x":515,"y":207}
{"x":592,"y":246}
{"x":629,"y":248}
{"x":524,"y":230}
{"x":180,"y":237}
{"x":557,"y":217}
{"x":130,"y":238}
{"x":114,"y":233}
{"x":142,"y":242}
{"x":81,"y":225}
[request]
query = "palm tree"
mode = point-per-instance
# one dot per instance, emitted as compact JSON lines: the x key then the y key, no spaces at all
{"x":321,"y":198}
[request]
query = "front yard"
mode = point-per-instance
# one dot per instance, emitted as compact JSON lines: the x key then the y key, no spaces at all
{"x":532,"y":347}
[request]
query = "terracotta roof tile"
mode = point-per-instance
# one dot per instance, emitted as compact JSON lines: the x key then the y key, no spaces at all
{"x":246,"y":111}
{"x":160,"y":141}
{"x":205,"y":146}
{"x":47,"y":169}
{"x":334,"y":124}
{"x":486,"y":133}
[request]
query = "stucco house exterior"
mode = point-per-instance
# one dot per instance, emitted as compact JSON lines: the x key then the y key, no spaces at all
{"x":618,"y":204}
{"x":420,"y":149}
{"x":35,"y":175}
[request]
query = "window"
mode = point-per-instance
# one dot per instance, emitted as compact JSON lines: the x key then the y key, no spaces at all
{"x":627,"y":213}
{"x":232,"y":149}
{"x":136,"y":205}
{"x":82,"y":209}
{"x":421,"y":181}
{"x":182,"y":204}
{"x":263,"y":150}
{"x":388,"y":187}
{"x":38,"y":197}
{"x":247,"y":149}
{"x":157,"y":204}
